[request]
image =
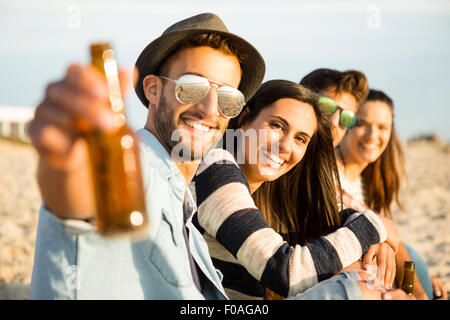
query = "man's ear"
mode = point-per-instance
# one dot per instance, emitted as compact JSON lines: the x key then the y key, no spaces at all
{"x":152,"y":88}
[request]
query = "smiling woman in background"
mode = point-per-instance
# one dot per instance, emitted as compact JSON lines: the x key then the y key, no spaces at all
{"x":371,"y":156}
{"x":371,"y":166}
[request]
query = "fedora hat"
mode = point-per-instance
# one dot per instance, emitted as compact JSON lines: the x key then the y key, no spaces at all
{"x":148,"y":62}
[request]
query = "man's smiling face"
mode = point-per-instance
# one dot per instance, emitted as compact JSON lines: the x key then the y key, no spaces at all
{"x":196,"y":126}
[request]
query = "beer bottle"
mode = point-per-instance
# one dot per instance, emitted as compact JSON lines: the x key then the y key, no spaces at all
{"x":115,"y":162}
{"x":271,"y":295}
{"x":408,"y":277}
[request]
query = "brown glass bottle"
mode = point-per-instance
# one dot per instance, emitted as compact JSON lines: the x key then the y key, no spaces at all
{"x":408,"y":277}
{"x":271,"y":295}
{"x":115,"y":161}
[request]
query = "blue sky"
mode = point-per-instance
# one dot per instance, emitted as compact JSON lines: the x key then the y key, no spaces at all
{"x":402,"y":46}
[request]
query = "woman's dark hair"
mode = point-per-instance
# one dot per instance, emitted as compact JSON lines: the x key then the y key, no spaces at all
{"x":382,"y":178}
{"x":301,"y":204}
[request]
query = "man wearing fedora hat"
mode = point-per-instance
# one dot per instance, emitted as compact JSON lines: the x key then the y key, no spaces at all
{"x":193,"y":78}
{"x":71,"y":260}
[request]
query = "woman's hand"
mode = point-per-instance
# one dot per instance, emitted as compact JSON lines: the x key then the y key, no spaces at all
{"x":368,"y":292}
{"x":440,"y":293}
{"x":393,"y":238}
{"x":382,"y":256}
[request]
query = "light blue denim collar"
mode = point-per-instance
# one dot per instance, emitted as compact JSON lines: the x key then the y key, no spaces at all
{"x":161,"y":159}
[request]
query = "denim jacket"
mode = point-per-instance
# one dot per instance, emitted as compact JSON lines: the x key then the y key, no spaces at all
{"x":73,"y":262}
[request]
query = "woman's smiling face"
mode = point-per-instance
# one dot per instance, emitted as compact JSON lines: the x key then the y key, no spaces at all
{"x":370,"y":137}
{"x":276,"y":140}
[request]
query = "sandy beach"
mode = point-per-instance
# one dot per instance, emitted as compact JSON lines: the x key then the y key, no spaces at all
{"x":425,"y":224}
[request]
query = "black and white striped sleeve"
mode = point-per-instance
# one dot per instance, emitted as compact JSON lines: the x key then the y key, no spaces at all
{"x":227,"y":212}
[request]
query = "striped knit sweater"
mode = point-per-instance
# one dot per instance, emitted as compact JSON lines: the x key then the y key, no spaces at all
{"x":250,"y":254}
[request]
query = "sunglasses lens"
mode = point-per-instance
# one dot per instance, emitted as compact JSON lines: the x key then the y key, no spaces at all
{"x":231,"y":101}
{"x":347,"y":119}
{"x":191,"y":89}
{"x":328,"y":105}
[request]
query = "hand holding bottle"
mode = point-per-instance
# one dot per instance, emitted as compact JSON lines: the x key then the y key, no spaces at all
{"x":63,"y":158}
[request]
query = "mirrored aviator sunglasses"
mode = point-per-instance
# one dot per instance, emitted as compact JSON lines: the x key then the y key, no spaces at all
{"x":191,"y":89}
{"x":347,"y":119}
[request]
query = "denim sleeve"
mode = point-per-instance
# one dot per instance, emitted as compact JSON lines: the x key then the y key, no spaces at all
{"x":54,"y":268}
{"x":343,"y":286}
{"x":73,"y":262}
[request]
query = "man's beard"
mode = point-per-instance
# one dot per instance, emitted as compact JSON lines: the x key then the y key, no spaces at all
{"x":173,"y":139}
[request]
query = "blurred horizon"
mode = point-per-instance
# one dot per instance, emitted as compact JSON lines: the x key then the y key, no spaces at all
{"x":403,"y":47}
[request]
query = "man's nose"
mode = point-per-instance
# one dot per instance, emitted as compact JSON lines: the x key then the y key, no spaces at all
{"x":209,"y":107}
{"x":334,"y":119}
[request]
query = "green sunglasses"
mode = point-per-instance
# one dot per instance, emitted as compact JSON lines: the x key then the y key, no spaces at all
{"x":347,"y":119}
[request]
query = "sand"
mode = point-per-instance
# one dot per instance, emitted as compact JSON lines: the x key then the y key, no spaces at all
{"x":425,"y":224}
{"x":19,"y":205}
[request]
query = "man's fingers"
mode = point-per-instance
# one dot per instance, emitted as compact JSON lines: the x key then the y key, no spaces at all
{"x":46,"y":112}
{"x":125,"y":81}
{"x":75,"y":105}
{"x":87,"y":80}
{"x":85,"y":94}
{"x":49,"y":139}
{"x":94,"y":111}
{"x":92,"y":82}
{"x":135,"y":76}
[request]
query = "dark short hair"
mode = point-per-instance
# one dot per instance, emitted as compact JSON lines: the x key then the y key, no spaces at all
{"x":213,"y":40}
{"x":351,"y":81}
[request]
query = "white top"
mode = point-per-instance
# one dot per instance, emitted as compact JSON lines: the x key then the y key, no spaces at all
{"x":354,"y":188}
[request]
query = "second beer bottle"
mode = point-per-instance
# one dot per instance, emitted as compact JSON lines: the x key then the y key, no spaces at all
{"x":408,"y":277}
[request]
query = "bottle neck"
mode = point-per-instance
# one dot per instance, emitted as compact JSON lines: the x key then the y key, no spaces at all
{"x":103,"y":60}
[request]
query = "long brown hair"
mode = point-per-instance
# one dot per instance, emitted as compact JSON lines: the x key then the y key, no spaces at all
{"x":381,"y":179}
{"x":301,"y":204}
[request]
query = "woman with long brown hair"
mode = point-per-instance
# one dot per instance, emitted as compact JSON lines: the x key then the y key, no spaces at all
{"x":308,"y":188}
{"x":373,"y":153}
{"x":371,"y":166}
{"x":292,"y":180}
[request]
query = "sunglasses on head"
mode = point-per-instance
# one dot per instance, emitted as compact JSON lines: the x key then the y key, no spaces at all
{"x":191,"y":89}
{"x":347,"y":119}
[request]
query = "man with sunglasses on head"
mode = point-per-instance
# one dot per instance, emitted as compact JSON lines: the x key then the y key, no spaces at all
{"x":341,"y":94}
{"x":193,"y":79}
